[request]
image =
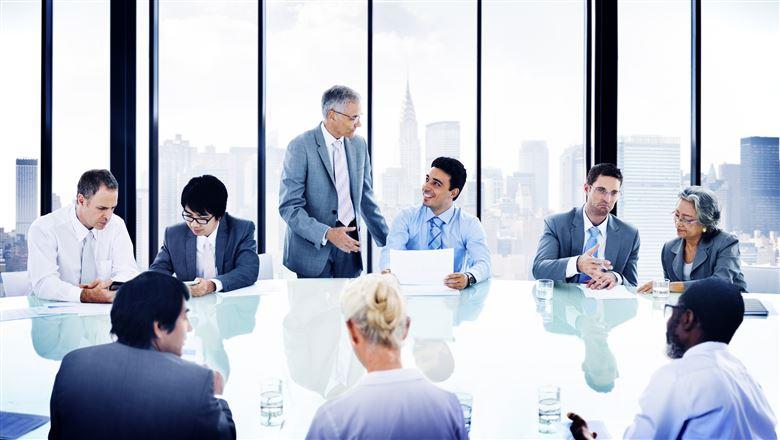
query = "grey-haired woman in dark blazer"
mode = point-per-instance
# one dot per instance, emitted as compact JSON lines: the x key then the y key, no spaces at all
{"x":701,"y":250}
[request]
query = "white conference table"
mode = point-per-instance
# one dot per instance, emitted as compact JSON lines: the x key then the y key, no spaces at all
{"x":494,"y":341}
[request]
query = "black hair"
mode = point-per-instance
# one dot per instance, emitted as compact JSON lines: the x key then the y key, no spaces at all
{"x":455,"y":170}
{"x":91,"y":181}
{"x":149,"y":297}
{"x":604,"y":169}
{"x":717,"y":306}
{"x":205,"y":195}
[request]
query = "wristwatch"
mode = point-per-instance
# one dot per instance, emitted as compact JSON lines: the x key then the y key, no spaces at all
{"x":471,"y":278}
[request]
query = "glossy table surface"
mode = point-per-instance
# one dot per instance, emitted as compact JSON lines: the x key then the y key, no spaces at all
{"x":495,"y":341}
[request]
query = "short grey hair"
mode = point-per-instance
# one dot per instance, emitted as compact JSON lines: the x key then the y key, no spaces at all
{"x":706,"y":204}
{"x":336,"y":98}
{"x":90,"y":182}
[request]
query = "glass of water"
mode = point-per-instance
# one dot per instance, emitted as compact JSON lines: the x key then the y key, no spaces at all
{"x":466,"y":402}
{"x":271,"y":402}
{"x":544,"y":289}
{"x":549,"y":408}
{"x":661,"y":288}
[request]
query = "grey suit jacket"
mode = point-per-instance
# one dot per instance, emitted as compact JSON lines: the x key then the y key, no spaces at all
{"x":120,"y":392}
{"x":236,"y":253}
{"x":308,"y":201}
{"x":717,"y":257}
{"x":564,"y":235}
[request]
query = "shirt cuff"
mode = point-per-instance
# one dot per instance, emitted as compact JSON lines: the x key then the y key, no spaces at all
{"x":217,"y":283}
{"x":571,"y":267}
{"x":325,"y":237}
{"x":74,"y":294}
{"x":620,"y":279}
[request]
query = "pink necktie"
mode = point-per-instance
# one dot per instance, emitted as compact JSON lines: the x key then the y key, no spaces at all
{"x":341,"y":173}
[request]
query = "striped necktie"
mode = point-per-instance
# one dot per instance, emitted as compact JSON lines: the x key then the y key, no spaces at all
{"x":435,"y":241}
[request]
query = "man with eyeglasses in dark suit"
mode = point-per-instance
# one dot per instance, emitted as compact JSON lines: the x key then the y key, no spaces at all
{"x":588,"y":245}
{"x":212,"y":248}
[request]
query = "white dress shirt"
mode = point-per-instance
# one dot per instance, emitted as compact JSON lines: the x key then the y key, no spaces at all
{"x":206,"y":260}
{"x":54,"y":245}
{"x":571,"y":266}
{"x":329,"y":141}
{"x":707,"y":393}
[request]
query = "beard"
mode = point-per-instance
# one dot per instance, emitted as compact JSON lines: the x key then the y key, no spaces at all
{"x":674,"y":348}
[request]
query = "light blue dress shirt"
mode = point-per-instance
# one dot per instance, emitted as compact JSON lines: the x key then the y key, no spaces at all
{"x":392,"y":404}
{"x":461,"y":231}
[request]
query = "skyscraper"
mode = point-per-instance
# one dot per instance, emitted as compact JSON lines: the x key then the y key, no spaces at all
{"x":534,"y":159}
{"x":442,"y":139}
{"x":760,"y":180}
{"x":408,"y":141}
{"x":651,"y":181}
{"x":26,"y":194}
{"x":572,"y":177}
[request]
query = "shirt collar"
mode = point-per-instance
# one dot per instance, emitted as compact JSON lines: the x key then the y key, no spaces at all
{"x":78,"y":227}
{"x":445,"y":216}
{"x":329,"y":139}
{"x":704,"y":348}
{"x":588,"y":224}
{"x":391,"y":376}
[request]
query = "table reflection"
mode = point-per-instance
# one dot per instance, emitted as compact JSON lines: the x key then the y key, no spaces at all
{"x":55,"y":336}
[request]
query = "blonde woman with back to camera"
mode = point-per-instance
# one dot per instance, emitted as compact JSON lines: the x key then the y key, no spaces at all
{"x":390,"y":402}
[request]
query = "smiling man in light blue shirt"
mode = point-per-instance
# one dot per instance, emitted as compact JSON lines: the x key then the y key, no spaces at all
{"x":439,"y":224}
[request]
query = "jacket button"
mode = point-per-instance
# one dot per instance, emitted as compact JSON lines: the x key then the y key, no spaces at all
{"x":333,"y":212}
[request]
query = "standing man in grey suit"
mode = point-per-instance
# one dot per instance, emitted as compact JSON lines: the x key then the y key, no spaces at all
{"x":326,"y":187}
{"x":139,"y":386}
{"x":588,"y":244}
{"x":211,"y":247}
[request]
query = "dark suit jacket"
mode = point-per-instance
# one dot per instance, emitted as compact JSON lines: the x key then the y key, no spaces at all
{"x":119,"y":392}
{"x":236,"y":253}
{"x":564,"y":235}
{"x":717,"y":257}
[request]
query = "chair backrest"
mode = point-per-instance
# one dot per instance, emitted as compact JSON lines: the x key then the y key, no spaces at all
{"x":266,"y":271}
{"x":762,"y":279}
{"x":16,"y":283}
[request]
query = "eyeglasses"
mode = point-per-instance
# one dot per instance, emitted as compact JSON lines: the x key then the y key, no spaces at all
{"x":351,"y":118}
{"x":199,"y":220}
{"x":603,"y":192}
{"x":669,"y":310}
{"x":685,"y":221}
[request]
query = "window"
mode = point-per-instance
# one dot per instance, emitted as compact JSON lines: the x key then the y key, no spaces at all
{"x":208,"y":103}
{"x":20,"y":119}
{"x":142,"y":136}
{"x":740,"y":129}
{"x":532,"y":113}
{"x":654,"y":76}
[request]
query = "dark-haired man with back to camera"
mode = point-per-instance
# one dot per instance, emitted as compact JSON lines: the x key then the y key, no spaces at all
{"x":139,"y":387}
{"x":211,"y":247}
{"x":705,"y":392}
{"x":588,"y":245}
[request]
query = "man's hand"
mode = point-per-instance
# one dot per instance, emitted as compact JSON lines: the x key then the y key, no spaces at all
{"x":579,"y":428}
{"x":591,"y":266}
{"x":340,"y":239}
{"x":602,"y":280}
{"x":645,"y":288}
{"x":457,"y":281}
{"x":97,"y":292}
{"x":203,"y":287}
{"x":219,"y":383}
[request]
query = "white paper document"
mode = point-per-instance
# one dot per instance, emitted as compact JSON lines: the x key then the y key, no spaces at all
{"x":617,"y":292}
{"x":423,"y":272}
{"x":76,"y":308}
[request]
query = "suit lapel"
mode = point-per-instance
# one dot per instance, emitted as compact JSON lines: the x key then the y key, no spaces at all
{"x":352,"y":165}
{"x":577,"y":233}
{"x":222,"y":238}
{"x":614,"y":240}
{"x":679,"y":260}
{"x":702,"y":253}
{"x":322,"y":149}
{"x":190,"y":253}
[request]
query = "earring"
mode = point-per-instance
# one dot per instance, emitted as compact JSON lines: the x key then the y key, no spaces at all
{"x":704,"y":229}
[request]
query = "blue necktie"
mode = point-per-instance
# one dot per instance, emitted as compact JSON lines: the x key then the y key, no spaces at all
{"x":435,"y":241}
{"x":593,"y":239}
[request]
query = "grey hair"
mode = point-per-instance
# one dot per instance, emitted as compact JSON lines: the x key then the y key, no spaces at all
{"x":375,"y":306}
{"x":706,"y":204}
{"x":90,"y":182}
{"x":336,"y":97}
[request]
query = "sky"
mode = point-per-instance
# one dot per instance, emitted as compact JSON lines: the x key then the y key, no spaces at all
{"x":532,"y":75}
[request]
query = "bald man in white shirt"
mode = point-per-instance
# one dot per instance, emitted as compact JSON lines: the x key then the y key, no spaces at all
{"x":74,"y":253}
{"x":705,"y":392}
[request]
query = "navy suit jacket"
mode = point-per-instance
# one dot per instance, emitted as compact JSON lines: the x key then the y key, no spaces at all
{"x":717,"y":257}
{"x":236,"y":253}
{"x":564,"y":235}
{"x":119,"y":392}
